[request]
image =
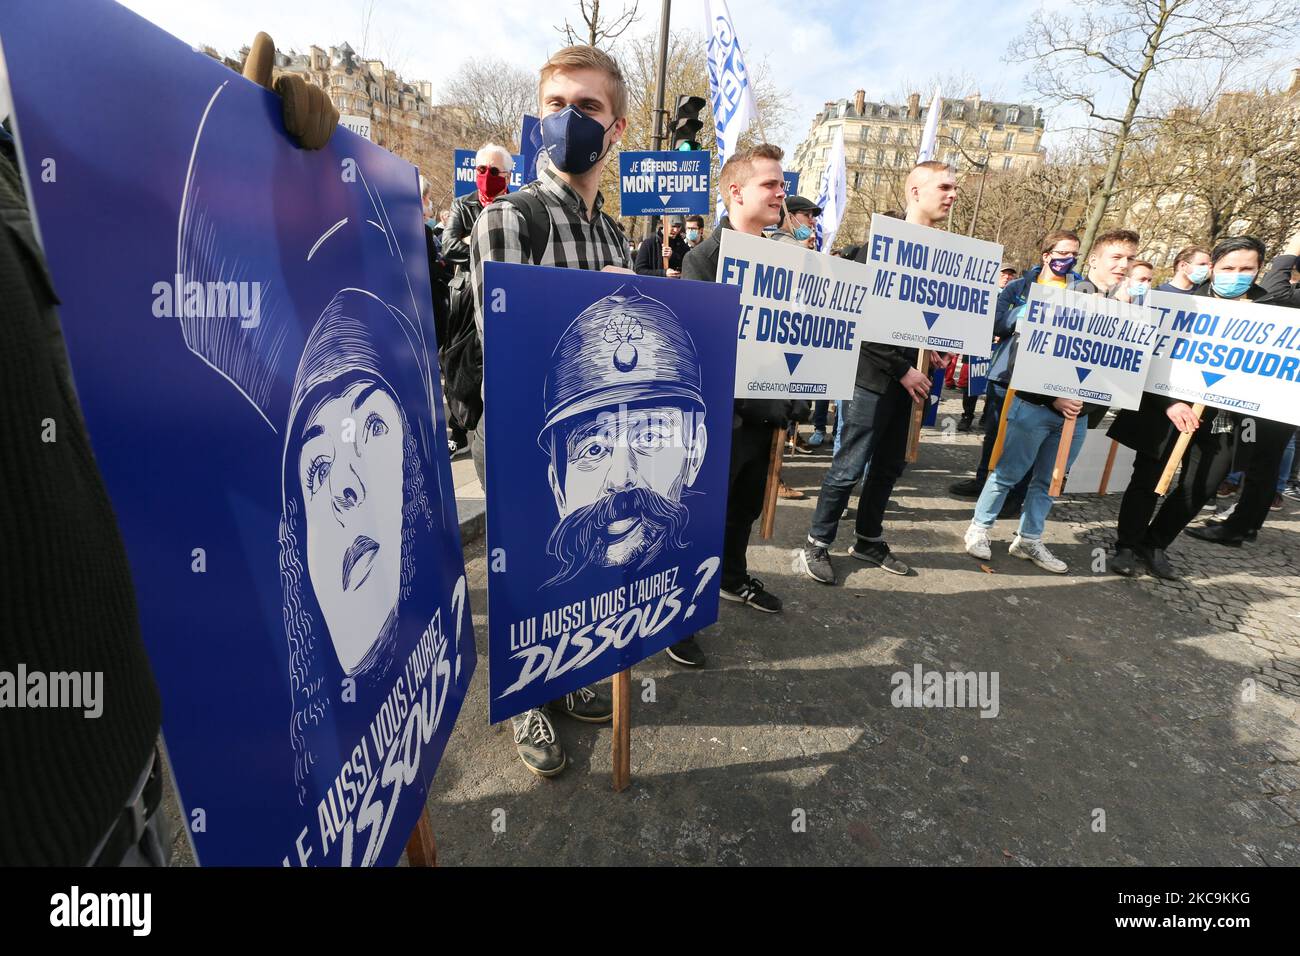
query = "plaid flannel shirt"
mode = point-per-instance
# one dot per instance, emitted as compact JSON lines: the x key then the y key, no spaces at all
{"x":576,"y":242}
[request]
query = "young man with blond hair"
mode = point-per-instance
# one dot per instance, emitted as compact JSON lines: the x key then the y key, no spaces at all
{"x":558,"y":220}
{"x":753,"y":190}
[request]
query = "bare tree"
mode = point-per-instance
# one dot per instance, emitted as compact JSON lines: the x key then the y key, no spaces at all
{"x":1128,"y":43}
{"x":493,"y":96}
{"x":600,"y":28}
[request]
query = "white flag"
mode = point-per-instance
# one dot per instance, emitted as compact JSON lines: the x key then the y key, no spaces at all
{"x":930,"y":137}
{"x":733,"y":98}
{"x":834,"y":198}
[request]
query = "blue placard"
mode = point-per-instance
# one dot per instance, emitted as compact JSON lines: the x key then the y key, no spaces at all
{"x":250,"y":333}
{"x":931,"y":413}
{"x":530,"y":145}
{"x":978,"y":382}
{"x":791,"y":183}
{"x":664,"y":183}
{"x":609,"y":420}
{"x":464,"y":172}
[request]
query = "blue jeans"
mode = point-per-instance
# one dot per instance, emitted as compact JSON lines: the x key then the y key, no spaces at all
{"x":1288,"y":459}
{"x":1033,"y":434}
{"x":841,"y":407}
{"x":821,"y":411}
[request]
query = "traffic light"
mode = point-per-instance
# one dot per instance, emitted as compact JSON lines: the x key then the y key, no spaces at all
{"x":687,"y":123}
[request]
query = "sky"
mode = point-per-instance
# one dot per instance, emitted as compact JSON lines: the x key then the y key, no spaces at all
{"x":817,"y":50}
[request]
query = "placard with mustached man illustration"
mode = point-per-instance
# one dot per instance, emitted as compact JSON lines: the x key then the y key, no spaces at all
{"x":609,"y":414}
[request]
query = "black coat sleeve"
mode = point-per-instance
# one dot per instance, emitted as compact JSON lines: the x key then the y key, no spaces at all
{"x":1277,"y":283}
{"x":648,"y":262}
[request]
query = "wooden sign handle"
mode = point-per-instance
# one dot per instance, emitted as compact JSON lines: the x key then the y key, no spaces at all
{"x":1110,"y":464}
{"x":1002,"y":429}
{"x":1180,"y":449}
{"x":622,"y":745}
{"x":918,"y":412}
{"x":420,"y":849}
{"x":1062,"y":456}
{"x":768,"y":522}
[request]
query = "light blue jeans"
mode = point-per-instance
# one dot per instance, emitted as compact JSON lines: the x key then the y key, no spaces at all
{"x":1033,"y":434}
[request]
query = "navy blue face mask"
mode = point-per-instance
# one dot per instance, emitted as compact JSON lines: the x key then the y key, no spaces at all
{"x":573,"y":140}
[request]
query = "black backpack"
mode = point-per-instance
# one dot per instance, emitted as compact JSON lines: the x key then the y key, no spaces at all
{"x":462,"y":356}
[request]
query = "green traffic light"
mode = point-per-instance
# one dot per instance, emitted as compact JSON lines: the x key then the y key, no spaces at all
{"x":685,"y":147}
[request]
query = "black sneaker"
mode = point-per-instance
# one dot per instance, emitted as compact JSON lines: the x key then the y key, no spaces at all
{"x":752,"y":593}
{"x":686,"y":652}
{"x":964,"y":425}
{"x":970,"y":488}
{"x":878,"y":553}
{"x":816,"y":562}
{"x":1123,"y":563}
{"x":536,"y":743}
{"x":588,"y":705}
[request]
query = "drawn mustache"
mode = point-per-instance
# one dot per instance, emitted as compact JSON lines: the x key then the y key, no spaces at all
{"x":580,"y":539}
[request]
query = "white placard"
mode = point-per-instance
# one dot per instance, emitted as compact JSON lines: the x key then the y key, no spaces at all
{"x":358,"y":124}
{"x":1089,"y":347}
{"x":1228,"y":353}
{"x":801,"y":318}
{"x":932,"y":288}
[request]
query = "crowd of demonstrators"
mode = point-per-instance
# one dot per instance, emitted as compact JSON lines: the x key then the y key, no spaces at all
{"x":1034,"y":422}
{"x":559,"y":220}
{"x":875,"y":426}
{"x":753,"y":191}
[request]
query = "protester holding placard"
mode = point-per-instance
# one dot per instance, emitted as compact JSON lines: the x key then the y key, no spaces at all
{"x":1035,"y":421}
{"x":654,"y":249}
{"x":1059,"y":251}
{"x":752,"y":190}
{"x":1152,"y":431}
{"x":1191,"y":269}
{"x":558,"y":220}
{"x":877,"y":420}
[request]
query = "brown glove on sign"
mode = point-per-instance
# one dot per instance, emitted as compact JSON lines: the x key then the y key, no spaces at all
{"x":309,"y":116}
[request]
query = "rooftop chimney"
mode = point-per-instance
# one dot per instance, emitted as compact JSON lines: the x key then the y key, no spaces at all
{"x":860,"y":99}
{"x":914,"y":106}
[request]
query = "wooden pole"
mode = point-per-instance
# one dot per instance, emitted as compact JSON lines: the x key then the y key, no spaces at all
{"x":768,"y":522}
{"x":1002,"y":429}
{"x":622,"y":746}
{"x":1180,"y":449}
{"x":918,"y":412}
{"x":420,"y":849}
{"x":1110,"y":464}
{"x":1062,"y":456}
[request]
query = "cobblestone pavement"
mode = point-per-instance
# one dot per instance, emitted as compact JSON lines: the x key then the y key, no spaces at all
{"x":1137,"y":722}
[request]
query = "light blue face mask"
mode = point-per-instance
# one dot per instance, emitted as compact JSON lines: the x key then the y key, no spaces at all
{"x":692,"y":235}
{"x":802,"y":233}
{"x":1198,"y":275}
{"x":1139,"y":290}
{"x":1233,"y":285}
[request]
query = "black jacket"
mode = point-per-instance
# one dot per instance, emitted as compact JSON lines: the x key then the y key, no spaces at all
{"x":1276,"y":283}
{"x":68,"y":603}
{"x":650,"y":259}
{"x":455,"y":238}
{"x":701,"y":264}
{"x":879,"y":365}
{"x":1147,"y":429}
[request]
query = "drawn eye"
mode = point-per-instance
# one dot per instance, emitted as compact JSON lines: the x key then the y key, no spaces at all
{"x":591,"y":451}
{"x":375,"y":426}
{"x":318,"y":472}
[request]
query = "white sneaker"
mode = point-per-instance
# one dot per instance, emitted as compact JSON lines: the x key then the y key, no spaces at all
{"x":1037,"y":552}
{"x":977,"y":542}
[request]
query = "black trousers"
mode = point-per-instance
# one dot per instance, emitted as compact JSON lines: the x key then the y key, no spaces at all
{"x":1261,"y":459}
{"x":1206,"y":464}
{"x":751,"y":453}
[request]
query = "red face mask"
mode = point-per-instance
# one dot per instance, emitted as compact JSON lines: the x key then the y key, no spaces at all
{"x":490,"y":186}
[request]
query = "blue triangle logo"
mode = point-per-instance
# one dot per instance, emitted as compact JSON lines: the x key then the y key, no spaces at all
{"x":1082,"y":372}
{"x":792,"y":360}
{"x":930,"y":318}
{"x":1211,"y":377}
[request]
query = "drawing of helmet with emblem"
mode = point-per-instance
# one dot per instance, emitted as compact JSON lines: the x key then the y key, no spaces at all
{"x":624,"y":433}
